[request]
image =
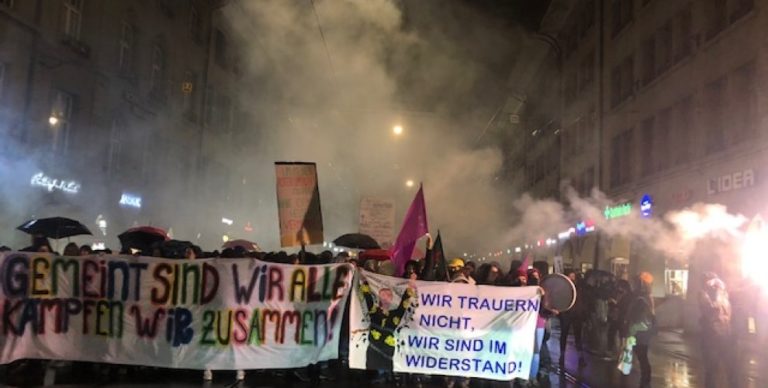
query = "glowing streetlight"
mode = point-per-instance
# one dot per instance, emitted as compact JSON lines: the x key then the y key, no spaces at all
{"x":397,"y":130}
{"x":409,"y":183}
{"x":53,"y":120}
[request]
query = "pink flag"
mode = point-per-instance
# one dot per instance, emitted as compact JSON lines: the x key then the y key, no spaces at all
{"x":414,"y":227}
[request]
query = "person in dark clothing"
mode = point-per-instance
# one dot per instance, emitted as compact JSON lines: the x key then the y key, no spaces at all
{"x":384,"y":322}
{"x":617,"y":309}
{"x":571,"y":320}
{"x":715,"y":308}
{"x":39,"y":244}
{"x":641,"y":323}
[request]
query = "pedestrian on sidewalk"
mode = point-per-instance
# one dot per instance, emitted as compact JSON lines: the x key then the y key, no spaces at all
{"x":641,"y":324}
{"x":716,"y":334}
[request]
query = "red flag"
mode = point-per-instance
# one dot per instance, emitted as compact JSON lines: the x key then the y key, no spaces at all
{"x":414,"y":227}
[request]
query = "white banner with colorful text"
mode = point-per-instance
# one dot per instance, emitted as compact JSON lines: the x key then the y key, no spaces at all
{"x":213,"y":313}
{"x":442,"y":328}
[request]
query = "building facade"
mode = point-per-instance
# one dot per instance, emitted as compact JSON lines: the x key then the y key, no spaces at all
{"x":106,"y":113}
{"x":663,"y":107}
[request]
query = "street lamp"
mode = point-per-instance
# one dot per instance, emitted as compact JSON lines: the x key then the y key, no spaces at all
{"x":53,"y":120}
{"x":397,"y":130}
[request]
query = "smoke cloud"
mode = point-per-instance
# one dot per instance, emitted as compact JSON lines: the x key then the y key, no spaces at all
{"x":334,"y":77}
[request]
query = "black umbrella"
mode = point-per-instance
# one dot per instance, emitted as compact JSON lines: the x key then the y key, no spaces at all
{"x":54,"y":227}
{"x":357,"y":241}
{"x":142,"y":238}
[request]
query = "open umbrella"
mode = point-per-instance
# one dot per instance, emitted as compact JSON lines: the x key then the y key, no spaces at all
{"x":356,"y":241}
{"x":249,"y":246}
{"x":54,"y":227}
{"x":142,"y":237}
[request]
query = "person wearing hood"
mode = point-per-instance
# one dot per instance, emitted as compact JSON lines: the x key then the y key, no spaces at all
{"x":488,"y":274}
{"x":469,"y":272}
{"x":715,"y":308}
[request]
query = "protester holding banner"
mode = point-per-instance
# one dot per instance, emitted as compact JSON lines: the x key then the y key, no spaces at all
{"x":541,"y":360}
{"x":459,"y":277}
{"x":384,"y":321}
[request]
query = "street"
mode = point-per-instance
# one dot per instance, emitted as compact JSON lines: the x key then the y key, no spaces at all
{"x":674,"y":360}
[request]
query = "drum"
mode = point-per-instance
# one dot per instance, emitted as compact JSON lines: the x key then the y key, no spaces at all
{"x":560,"y":290}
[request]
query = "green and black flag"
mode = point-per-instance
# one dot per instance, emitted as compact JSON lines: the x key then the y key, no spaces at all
{"x":435,"y":267}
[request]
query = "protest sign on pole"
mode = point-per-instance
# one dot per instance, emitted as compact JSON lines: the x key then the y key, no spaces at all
{"x":442,"y":328}
{"x":192,"y":314}
{"x":298,"y":204}
{"x":377,"y":219}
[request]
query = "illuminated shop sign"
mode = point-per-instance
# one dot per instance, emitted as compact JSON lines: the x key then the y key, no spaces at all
{"x":622,"y":210}
{"x":584,"y":227}
{"x":130,"y":200}
{"x":42,"y":180}
{"x":731,"y":182}
{"x":646,"y":206}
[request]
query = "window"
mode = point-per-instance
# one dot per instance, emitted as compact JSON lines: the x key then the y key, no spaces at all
{"x":739,"y":8}
{"x":627,"y":78}
{"x":195,"y":25}
{"x":127,"y":45}
{"x":743,"y":104}
{"x":663,"y":128}
{"x":664,"y":48}
{"x":570,"y":88}
{"x":587,"y":71}
{"x":225,"y":111}
{"x":646,"y":146}
{"x":721,"y":13}
{"x":221,"y":48}
{"x":114,"y":154}
{"x":73,"y":17}
{"x":683,"y":132}
{"x":615,"y":86}
{"x":621,"y":158}
{"x":587,"y":18}
{"x":714,"y":108}
{"x":683,"y":39}
{"x":589,"y":127}
{"x":60,"y":121}
{"x":157,"y":72}
{"x":589,"y":180}
{"x":210,"y":106}
{"x":2,"y":79}
{"x":621,"y":15}
{"x":676,"y":282}
{"x":717,"y":15}
{"x":648,"y":65}
{"x":189,"y":88}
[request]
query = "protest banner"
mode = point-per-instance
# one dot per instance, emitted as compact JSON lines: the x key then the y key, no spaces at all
{"x":298,"y":204}
{"x":442,"y":328}
{"x":193,"y":314}
{"x":377,"y":219}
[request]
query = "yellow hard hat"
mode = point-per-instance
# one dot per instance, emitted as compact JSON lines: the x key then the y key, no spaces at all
{"x":457,"y":262}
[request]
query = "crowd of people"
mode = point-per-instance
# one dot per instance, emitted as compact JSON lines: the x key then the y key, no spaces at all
{"x":608,"y":313}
